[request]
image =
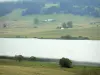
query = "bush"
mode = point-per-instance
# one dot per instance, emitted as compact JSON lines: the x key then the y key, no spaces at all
{"x":18,"y":36}
{"x":66,"y":37}
{"x":65,"y":62}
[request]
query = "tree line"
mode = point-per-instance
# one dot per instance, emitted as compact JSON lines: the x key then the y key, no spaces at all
{"x":20,"y":58}
{"x":63,"y":62}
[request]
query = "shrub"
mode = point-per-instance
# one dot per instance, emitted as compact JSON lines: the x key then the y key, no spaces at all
{"x":65,"y":62}
{"x":66,"y":37}
{"x":18,"y":36}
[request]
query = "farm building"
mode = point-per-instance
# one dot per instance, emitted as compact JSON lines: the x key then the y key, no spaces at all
{"x":49,"y":20}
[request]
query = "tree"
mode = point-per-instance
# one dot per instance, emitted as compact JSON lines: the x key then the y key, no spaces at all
{"x":65,"y":62}
{"x":64,"y":25}
{"x":36,"y":21}
{"x":4,"y":25}
{"x":32,"y":58}
{"x":70,"y":24}
{"x":19,"y":58}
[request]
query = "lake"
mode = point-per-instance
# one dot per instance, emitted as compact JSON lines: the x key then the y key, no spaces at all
{"x":79,"y":50}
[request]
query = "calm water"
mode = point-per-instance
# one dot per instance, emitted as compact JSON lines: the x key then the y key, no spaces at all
{"x":80,"y":50}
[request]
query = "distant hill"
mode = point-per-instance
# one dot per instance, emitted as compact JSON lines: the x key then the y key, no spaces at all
{"x":76,"y":7}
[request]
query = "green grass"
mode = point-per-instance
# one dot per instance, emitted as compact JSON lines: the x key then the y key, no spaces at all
{"x":33,"y":64}
{"x":11,"y":67}
{"x":23,"y":25}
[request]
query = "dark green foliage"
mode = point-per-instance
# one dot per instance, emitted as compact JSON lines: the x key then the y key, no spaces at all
{"x":70,"y":24}
{"x":19,"y":58}
{"x":32,"y":58}
{"x":65,"y":62}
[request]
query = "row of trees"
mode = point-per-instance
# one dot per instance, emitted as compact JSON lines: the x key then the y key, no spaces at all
{"x":69,"y":37}
{"x":63,"y":62}
{"x":20,"y":58}
{"x":69,"y":24}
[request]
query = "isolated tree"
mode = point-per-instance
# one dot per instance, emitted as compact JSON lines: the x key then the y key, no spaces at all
{"x":36,"y":21}
{"x":4,"y":25}
{"x":32,"y":58}
{"x":19,"y":58}
{"x":64,"y":25}
{"x":65,"y":62}
{"x":70,"y":24}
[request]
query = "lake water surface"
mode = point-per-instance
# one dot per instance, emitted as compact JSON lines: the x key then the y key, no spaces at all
{"x":79,"y":50}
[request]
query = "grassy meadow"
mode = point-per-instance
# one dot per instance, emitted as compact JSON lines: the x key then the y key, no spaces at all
{"x":18,"y":25}
{"x":11,"y":67}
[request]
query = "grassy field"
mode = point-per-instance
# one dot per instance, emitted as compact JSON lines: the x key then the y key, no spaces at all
{"x":11,"y":67}
{"x":91,"y":33}
{"x":24,"y":26}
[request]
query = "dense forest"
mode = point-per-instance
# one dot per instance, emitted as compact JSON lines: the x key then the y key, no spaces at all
{"x":76,"y":7}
